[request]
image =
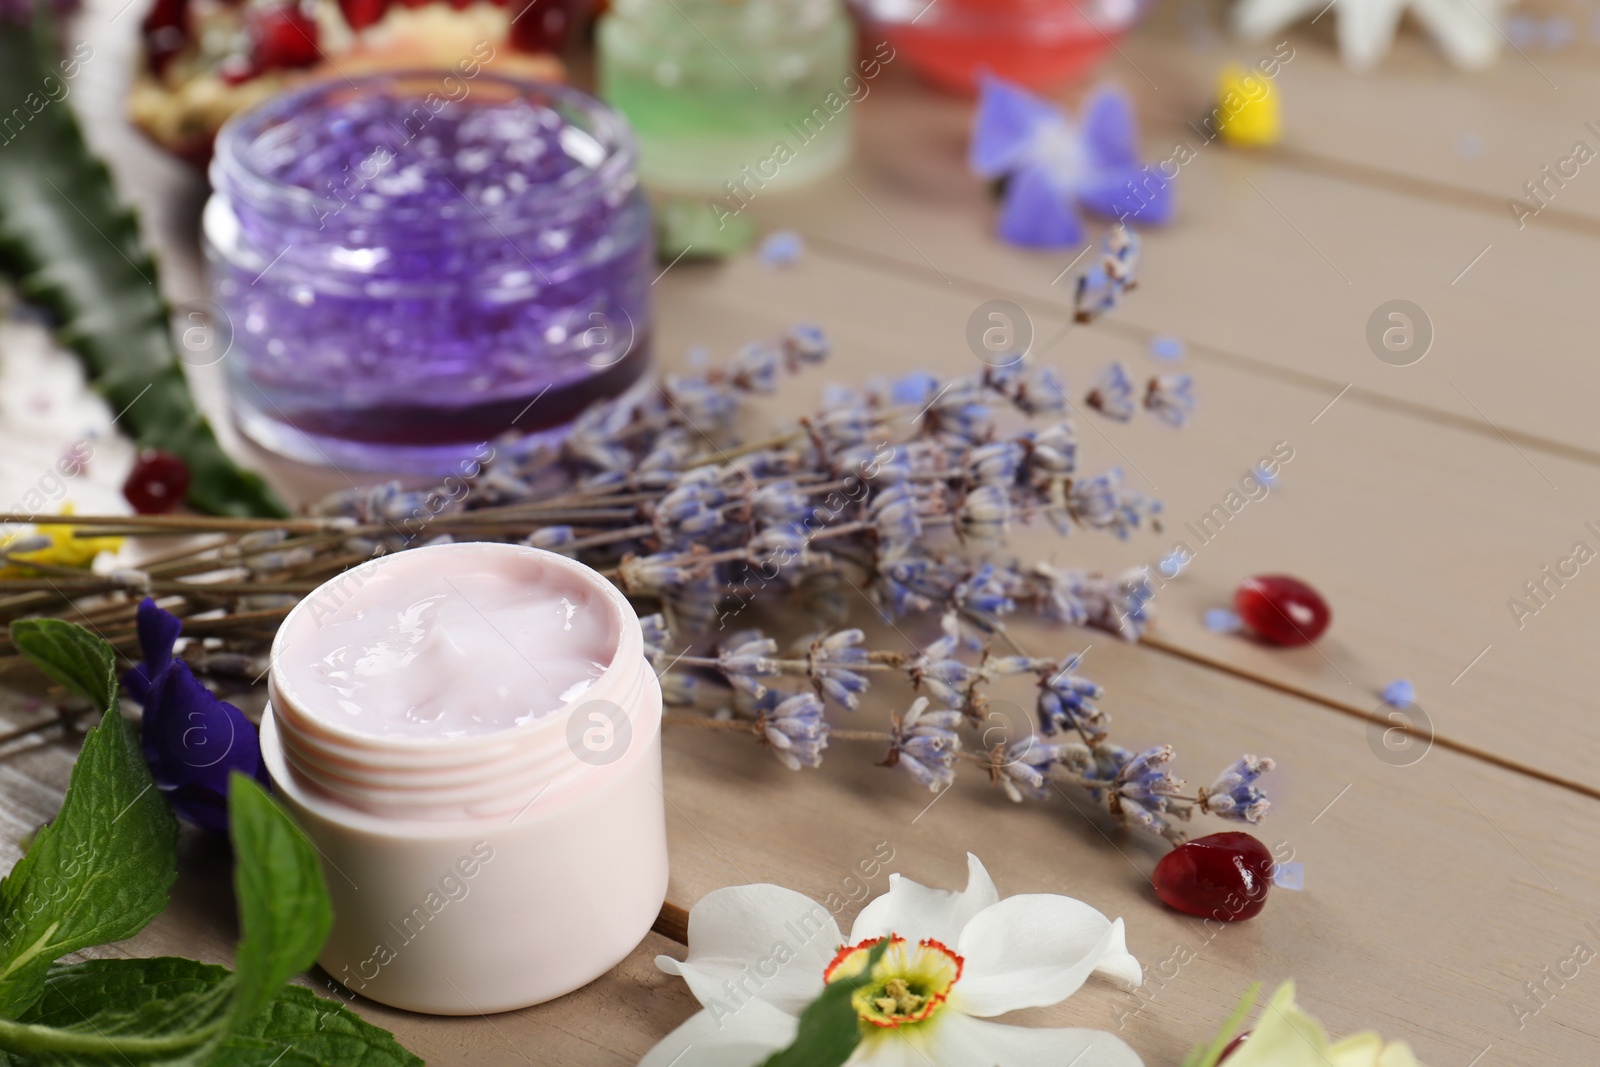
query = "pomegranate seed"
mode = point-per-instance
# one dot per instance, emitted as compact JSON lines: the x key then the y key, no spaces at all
{"x":282,"y":35}
{"x":363,"y":13}
{"x":542,"y":25}
{"x":1220,"y":876}
{"x":157,"y":482}
{"x":1282,"y":610}
{"x":1233,"y":1046}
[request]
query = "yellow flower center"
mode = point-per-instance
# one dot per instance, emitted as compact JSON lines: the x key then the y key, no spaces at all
{"x":907,"y":985}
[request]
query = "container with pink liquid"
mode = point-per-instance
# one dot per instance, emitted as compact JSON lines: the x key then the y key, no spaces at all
{"x":470,"y":735}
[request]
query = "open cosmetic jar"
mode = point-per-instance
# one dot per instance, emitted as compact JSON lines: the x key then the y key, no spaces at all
{"x":412,"y":263}
{"x":470,"y":735}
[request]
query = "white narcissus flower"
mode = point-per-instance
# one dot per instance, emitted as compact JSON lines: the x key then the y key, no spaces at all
{"x":758,"y":954}
{"x":1285,"y":1036}
{"x":1467,"y":31}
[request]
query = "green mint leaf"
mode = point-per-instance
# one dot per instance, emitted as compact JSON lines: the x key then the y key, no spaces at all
{"x":163,"y":1011}
{"x":323,"y":1030}
{"x":830,"y":1028}
{"x":302,"y":1028}
{"x":99,"y":872}
{"x":71,"y":655}
{"x":284,"y":913}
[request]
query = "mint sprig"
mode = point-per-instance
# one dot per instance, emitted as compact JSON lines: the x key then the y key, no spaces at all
{"x":830,"y":1026}
{"x":101,"y":870}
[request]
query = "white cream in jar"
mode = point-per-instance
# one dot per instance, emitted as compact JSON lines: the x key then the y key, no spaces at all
{"x":470,"y":734}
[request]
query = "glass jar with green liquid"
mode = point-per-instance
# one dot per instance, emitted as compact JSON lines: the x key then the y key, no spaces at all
{"x":732,"y":97}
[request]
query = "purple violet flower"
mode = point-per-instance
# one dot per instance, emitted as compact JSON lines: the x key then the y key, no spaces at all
{"x":192,"y":740}
{"x":1053,"y":165}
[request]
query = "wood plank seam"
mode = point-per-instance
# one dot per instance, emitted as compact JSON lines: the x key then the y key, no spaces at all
{"x":1247,"y":364}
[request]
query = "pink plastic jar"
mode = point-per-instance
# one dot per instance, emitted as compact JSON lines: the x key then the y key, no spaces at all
{"x":477,"y":862}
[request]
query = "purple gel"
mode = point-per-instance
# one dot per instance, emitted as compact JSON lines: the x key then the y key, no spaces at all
{"x":407,"y":275}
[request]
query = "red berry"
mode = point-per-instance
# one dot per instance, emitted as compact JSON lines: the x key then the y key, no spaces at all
{"x":1282,"y":610}
{"x":1233,"y":1046}
{"x":542,"y":25}
{"x":363,"y":13}
{"x":1219,"y":876}
{"x":166,"y":33}
{"x":282,"y":35}
{"x":157,"y":483}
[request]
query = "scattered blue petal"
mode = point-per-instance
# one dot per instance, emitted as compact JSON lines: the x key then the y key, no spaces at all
{"x":1400,"y":692}
{"x":1037,"y":213}
{"x":1006,"y":127}
{"x":781,"y":248}
{"x":1166,"y":347}
{"x":1054,"y":167}
{"x":1289,"y":875}
{"x":1223,"y":621}
{"x":192,"y":739}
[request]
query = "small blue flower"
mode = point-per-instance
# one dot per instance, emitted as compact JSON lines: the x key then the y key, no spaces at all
{"x":794,"y":728}
{"x":1053,"y":165}
{"x":997,"y":462}
{"x":192,"y":740}
{"x":746,"y":657}
{"x":1067,"y":700}
{"x":985,"y":513}
{"x":895,"y":516}
{"x":924,"y":744}
{"x":1112,"y":394}
{"x":1025,"y":767}
{"x":1170,"y":397}
{"x":1235,"y":795}
{"x":1400,"y":693}
{"x":1142,"y":790}
{"x":806,"y":344}
{"x":756,"y":367}
{"x":986,"y":593}
{"x":830,"y":660}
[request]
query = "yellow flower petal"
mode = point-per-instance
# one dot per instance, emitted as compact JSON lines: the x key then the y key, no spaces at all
{"x":1247,"y":108}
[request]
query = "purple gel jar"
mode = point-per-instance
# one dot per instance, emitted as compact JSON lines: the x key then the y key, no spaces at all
{"x":414,"y":263}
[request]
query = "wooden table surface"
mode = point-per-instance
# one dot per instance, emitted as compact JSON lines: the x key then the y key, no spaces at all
{"x":1420,"y":500}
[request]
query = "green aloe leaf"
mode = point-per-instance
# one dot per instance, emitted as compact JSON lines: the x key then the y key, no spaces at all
{"x":71,"y":246}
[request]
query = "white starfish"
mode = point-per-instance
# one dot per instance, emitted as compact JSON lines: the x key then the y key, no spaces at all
{"x":1469,"y":32}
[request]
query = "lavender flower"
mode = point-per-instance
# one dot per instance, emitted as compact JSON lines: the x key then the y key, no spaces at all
{"x":1235,"y":795}
{"x":997,"y":463}
{"x":1142,"y":790}
{"x":192,"y":740}
{"x":1113,"y":393}
{"x":745,"y":658}
{"x":1026,"y":767}
{"x":657,"y":639}
{"x":985,"y":513}
{"x":937,"y":670}
{"x":1171,"y":398}
{"x":1067,"y":700}
{"x":806,"y":344}
{"x":794,"y":728}
{"x":924,"y":743}
{"x":895,"y":514}
{"x":829,"y":662}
